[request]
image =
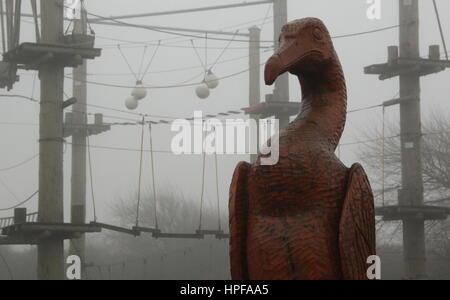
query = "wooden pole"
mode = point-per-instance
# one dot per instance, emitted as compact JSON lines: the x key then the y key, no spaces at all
{"x":411,"y":193}
{"x":51,"y":250}
{"x":78,"y":180}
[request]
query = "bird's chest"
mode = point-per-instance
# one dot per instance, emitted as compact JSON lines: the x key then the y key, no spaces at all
{"x":299,"y":182}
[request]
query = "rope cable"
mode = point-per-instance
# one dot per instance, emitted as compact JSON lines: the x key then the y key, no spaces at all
{"x":2,"y":21}
{"x":151,"y":61}
{"x":5,"y":262}
{"x":224,"y":50}
{"x":217,"y":185}
{"x":91,"y":177}
{"x":140,"y":173}
{"x":127,"y":62}
{"x":206,"y":50}
{"x":21,"y":203}
{"x":440,"y":28}
{"x":198,"y":56}
{"x":142,"y":61}
{"x":2,"y":183}
{"x":36,"y":21}
{"x":203,"y":183}
{"x":383,"y":152}
{"x":19,"y":164}
{"x":155,"y":212}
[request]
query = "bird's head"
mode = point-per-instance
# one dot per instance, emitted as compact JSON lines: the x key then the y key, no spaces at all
{"x":304,"y":46}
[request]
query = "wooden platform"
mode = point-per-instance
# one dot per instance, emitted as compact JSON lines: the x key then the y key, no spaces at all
{"x":31,"y":56}
{"x":401,"y":66}
{"x":397,"y":213}
{"x":36,"y":231}
{"x":91,"y":129}
{"x":274,"y":108}
{"x":71,"y":128}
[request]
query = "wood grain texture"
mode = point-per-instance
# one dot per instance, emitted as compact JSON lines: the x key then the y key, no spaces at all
{"x":357,"y":227}
{"x":309,"y":216}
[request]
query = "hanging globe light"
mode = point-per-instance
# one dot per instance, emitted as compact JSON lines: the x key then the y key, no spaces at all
{"x":139,"y":92}
{"x":202,"y":91}
{"x":131,"y":103}
{"x":211,"y":80}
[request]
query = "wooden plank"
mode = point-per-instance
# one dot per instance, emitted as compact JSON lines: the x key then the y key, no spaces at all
{"x":222,"y":236}
{"x":117,"y":229}
{"x":147,"y":230}
{"x":178,"y":236}
{"x":424,"y":62}
{"x":32,"y":55}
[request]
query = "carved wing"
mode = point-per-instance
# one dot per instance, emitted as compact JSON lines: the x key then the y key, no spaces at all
{"x":357,"y":226}
{"x":238,"y":207}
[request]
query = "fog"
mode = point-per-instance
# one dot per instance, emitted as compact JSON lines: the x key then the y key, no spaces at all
{"x":116,"y":172}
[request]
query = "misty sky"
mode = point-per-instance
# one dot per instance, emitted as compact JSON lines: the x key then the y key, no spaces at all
{"x":116,"y":172}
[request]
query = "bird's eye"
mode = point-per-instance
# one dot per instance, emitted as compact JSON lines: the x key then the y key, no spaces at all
{"x":318,"y":34}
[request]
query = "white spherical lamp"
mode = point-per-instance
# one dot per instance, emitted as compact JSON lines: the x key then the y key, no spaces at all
{"x":131,"y":103}
{"x":202,"y":91}
{"x":139,"y":92}
{"x":211,"y":80}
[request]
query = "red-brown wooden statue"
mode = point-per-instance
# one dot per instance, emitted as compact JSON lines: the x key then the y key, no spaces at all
{"x":307,"y":217}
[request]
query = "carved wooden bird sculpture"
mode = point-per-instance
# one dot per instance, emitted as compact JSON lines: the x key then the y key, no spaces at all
{"x":307,"y":217}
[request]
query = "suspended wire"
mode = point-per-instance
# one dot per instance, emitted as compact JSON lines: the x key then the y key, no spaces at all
{"x":365,"y":32}
{"x":206,"y":50}
{"x":204,"y":66}
{"x":364,"y":108}
{"x":167,"y":31}
{"x":217,"y":184}
{"x":155,"y":207}
{"x":440,"y":28}
{"x":224,"y":50}
{"x":127,"y":44}
{"x":20,"y":204}
{"x":175,"y":69}
{"x":91,"y":177}
{"x":160,"y":87}
{"x":5,"y":262}
{"x":261,"y":26}
{"x":2,"y":24}
{"x":127,"y":62}
{"x":142,"y":60}
{"x":383,"y":152}
{"x":140,"y":173}
{"x":222,"y":39}
{"x":6,"y":187}
{"x":151,"y":61}
{"x":19,"y":96}
{"x":203,"y":183}
{"x":20,"y":163}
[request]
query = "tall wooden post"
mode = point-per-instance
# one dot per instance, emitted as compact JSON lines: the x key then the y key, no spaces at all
{"x":51,"y":250}
{"x":78,"y":180}
{"x":411,"y":193}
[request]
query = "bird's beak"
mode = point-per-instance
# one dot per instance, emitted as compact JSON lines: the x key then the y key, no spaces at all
{"x":274,"y":68}
{"x":290,"y":54}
